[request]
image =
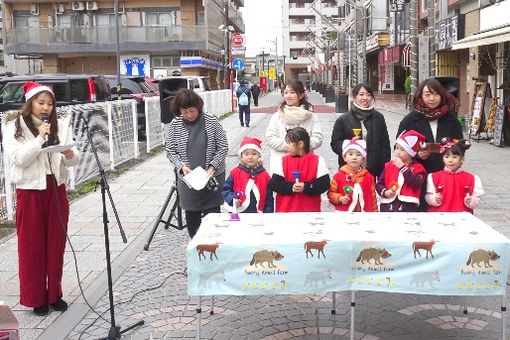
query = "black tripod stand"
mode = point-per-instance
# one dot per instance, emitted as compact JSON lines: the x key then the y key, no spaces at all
{"x":174,"y":193}
{"x":115,"y":331}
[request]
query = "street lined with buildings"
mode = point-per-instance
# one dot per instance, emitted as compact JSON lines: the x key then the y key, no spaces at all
{"x":151,"y":285}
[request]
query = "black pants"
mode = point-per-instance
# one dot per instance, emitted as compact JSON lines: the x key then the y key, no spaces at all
{"x":256,"y":100}
{"x":244,"y":114}
{"x":194,"y":219}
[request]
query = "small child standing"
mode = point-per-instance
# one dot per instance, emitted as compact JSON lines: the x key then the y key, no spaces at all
{"x":353,"y":187}
{"x":301,"y":176}
{"x":251,"y":179}
{"x":399,"y":184}
{"x":453,"y":189}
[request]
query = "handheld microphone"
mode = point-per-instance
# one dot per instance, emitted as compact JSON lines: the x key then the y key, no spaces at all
{"x":46,"y":119}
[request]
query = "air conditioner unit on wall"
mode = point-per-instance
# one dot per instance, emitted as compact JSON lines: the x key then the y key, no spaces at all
{"x":92,"y":6}
{"x":34,"y":9}
{"x":60,"y":8}
{"x":78,"y":6}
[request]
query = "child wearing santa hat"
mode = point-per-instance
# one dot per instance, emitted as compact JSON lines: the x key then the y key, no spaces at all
{"x":300,"y":177}
{"x":453,"y":189}
{"x":42,"y":209}
{"x":352,"y":188}
{"x":399,"y":184}
{"x":250,"y":180}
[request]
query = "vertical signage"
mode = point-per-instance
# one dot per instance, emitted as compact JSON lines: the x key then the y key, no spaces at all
{"x":449,"y":31}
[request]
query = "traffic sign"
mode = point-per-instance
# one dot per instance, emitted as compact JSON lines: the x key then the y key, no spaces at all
{"x":238,"y":50}
{"x":238,"y":40}
{"x":238,"y":64}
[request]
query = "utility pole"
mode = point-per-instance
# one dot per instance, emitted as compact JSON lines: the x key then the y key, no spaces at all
{"x":431,"y":11}
{"x":413,"y":14}
{"x":117,"y":48}
{"x":364,"y":20}
{"x":226,"y":73}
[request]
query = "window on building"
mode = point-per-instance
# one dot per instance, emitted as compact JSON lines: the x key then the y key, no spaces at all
{"x":2,"y":63}
{"x":105,"y":20}
{"x":166,"y":61}
{"x":26,"y":21}
{"x":200,"y":18}
{"x":161,"y":18}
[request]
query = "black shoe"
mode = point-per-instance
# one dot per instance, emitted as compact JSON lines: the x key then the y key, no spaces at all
{"x":242,"y":124}
{"x":60,"y":305}
{"x":247,"y":125}
{"x":41,"y":310}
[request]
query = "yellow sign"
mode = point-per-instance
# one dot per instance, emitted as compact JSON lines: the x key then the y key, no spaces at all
{"x":272,"y":73}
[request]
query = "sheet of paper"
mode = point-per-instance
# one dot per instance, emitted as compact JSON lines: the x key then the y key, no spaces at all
{"x":56,"y":148}
{"x":197,"y":178}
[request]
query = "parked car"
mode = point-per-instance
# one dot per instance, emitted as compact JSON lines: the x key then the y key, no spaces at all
{"x":69,"y":89}
{"x":132,"y":87}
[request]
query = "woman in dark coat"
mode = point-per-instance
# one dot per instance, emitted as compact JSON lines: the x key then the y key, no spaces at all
{"x":433,"y":116}
{"x":373,"y":130}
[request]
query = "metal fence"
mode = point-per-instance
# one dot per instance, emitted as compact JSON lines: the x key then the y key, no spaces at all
{"x":113,"y":129}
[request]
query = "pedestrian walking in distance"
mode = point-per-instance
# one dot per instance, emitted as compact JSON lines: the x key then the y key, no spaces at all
{"x":255,"y":91}
{"x":243,"y":95}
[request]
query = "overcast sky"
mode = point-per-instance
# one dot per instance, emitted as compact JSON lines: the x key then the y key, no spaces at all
{"x":263,"y":21}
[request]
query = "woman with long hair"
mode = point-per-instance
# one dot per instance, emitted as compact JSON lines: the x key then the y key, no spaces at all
{"x":294,"y":111}
{"x":433,"y":116}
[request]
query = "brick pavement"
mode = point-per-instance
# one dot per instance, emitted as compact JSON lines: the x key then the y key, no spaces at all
{"x":168,"y":311}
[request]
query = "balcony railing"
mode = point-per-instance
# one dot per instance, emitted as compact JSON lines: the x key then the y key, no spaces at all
{"x":84,"y":35}
{"x":37,"y":40}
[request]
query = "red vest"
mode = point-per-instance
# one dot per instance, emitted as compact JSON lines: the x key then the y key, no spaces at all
{"x":362,"y":180}
{"x":299,"y":202}
{"x":453,"y":190}
{"x":246,"y":183}
{"x":405,"y":193}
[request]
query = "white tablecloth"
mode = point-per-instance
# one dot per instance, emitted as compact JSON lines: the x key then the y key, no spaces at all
{"x":267,"y":254}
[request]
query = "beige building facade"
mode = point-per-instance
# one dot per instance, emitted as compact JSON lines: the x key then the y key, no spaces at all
{"x":156,"y":37}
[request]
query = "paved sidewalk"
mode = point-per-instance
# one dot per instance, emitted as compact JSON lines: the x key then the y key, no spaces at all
{"x":170,"y":313}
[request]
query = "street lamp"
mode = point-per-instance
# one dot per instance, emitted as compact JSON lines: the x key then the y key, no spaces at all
{"x":226,"y":53}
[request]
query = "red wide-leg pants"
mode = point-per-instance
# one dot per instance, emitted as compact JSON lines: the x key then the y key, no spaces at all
{"x":41,"y":222}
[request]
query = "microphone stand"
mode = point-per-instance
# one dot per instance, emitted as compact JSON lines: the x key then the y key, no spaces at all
{"x":115,"y":331}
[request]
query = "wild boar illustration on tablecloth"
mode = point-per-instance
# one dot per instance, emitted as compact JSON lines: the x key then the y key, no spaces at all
{"x":376,"y":254}
{"x":210,"y":248}
{"x":427,"y":246}
{"x":267,"y":256}
{"x":481,"y":255}
{"x":310,"y":245}
{"x":318,"y":278}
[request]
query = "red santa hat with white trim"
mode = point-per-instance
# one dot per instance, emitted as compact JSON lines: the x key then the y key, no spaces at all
{"x":250,"y":143}
{"x":355,"y":144}
{"x":31,"y":88}
{"x":411,"y":141}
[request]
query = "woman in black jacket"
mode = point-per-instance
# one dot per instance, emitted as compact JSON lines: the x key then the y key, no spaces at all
{"x":372,"y":126}
{"x":433,"y":116}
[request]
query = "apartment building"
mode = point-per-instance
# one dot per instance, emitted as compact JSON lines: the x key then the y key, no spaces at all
{"x":307,"y":35}
{"x":156,"y":37}
{"x":9,"y":65}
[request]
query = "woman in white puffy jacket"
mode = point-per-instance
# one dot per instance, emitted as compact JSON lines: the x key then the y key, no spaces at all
{"x":295,"y":111}
{"x":42,"y":209}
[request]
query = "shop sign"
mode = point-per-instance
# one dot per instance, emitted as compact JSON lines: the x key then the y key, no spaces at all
{"x":449,"y":31}
{"x":396,"y":5}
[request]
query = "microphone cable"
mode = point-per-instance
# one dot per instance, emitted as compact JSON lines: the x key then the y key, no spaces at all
{"x":62,"y":225}
{"x":131,"y":299}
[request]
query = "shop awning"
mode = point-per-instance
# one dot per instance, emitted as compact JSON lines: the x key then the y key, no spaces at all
{"x":485,"y":38}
